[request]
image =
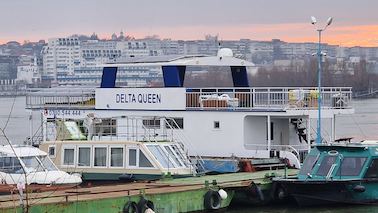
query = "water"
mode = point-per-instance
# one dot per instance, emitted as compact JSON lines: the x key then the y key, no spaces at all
{"x":18,"y":127}
{"x":361,"y":125}
{"x":292,"y":208}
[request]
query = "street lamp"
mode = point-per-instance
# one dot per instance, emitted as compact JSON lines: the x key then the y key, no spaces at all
{"x":320,"y":54}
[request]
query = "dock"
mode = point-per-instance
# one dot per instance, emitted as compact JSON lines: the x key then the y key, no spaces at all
{"x":167,"y":195}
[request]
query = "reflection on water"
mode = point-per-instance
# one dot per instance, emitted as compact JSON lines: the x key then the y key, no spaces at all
{"x":292,"y":208}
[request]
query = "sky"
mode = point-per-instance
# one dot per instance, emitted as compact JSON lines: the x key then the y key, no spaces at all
{"x":355,"y":22}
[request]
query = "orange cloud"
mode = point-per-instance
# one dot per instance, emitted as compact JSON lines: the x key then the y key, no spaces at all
{"x":355,"y":35}
{"x":360,"y":35}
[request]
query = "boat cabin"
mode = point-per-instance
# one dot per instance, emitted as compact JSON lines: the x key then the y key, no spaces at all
{"x":336,"y":174}
{"x":114,"y":148}
{"x":341,"y":162}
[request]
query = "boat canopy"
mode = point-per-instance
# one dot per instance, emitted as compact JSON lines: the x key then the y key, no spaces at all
{"x":21,"y":151}
{"x":174,"y":67}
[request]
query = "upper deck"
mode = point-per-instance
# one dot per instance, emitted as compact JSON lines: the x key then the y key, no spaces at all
{"x":174,"y":96}
{"x":226,"y":99}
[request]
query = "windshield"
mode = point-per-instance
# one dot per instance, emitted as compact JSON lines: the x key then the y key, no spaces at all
{"x":351,"y":166}
{"x":325,"y":165}
{"x":10,"y":165}
{"x":173,"y":156}
{"x":160,"y":155}
{"x":47,"y":163}
{"x":308,"y":165}
{"x":32,"y":164}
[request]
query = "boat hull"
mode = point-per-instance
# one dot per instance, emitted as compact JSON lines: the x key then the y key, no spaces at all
{"x":309,"y":193}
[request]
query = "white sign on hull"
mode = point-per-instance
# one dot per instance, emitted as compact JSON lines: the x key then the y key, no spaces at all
{"x":141,"y":98}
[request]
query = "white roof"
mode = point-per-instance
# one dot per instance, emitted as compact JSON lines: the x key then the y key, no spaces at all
{"x":370,"y":142}
{"x":21,"y":151}
{"x":196,"y":60}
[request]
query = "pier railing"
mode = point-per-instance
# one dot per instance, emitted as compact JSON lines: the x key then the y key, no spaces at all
{"x":251,"y":98}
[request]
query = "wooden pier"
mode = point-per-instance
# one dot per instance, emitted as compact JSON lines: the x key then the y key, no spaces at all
{"x":175,"y":195}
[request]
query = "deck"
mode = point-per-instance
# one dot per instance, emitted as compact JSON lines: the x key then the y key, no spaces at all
{"x":227,"y":99}
{"x":184,"y":194}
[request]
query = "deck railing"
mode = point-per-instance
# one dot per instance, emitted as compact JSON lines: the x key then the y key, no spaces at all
{"x":264,"y":98}
{"x":251,"y":98}
{"x":82,"y":98}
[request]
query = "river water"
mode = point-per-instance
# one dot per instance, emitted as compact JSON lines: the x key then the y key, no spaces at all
{"x":361,"y":125}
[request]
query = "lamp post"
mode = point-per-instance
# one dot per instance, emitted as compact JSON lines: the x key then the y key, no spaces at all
{"x":320,"y":54}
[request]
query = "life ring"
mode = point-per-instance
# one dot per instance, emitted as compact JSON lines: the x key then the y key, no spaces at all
{"x":212,"y":200}
{"x":145,"y":204}
{"x":130,"y":207}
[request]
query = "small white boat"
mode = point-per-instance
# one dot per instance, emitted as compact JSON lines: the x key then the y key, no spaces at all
{"x":30,"y":166}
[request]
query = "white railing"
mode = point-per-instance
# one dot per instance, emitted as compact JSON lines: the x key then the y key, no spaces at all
{"x":128,"y":128}
{"x":267,"y":98}
{"x":251,"y":98}
{"x":82,"y":98}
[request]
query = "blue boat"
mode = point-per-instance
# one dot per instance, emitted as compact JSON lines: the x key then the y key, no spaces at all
{"x":336,"y":173}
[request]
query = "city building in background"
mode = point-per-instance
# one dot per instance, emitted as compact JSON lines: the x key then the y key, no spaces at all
{"x":78,"y":59}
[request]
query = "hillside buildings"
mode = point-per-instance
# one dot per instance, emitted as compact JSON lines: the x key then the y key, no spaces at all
{"x":78,"y":60}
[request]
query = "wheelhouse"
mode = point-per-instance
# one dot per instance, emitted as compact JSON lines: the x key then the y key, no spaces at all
{"x":340,"y":162}
{"x":26,"y":162}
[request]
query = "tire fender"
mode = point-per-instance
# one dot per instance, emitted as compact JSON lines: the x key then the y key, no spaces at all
{"x":212,"y":200}
{"x":130,"y":207}
{"x":145,"y":204}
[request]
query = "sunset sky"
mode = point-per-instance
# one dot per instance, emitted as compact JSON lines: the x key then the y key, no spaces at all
{"x":355,"y":22}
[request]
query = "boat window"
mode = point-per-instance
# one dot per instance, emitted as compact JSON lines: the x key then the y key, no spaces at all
{"x":84,"y":156}
{"x":175,"y":123}
{"x":172,"y":155}
{"x":160,"y":155}
{"x":68,"y":156}
{"x":132,"y":157}
{"x":372,"y":171}
{"x":10,"y":165}
{"x":216,"y":125}
{"x":153,"y":123}
{"x":100,"y":156}
{"x":47,"y":163}
{"x":32,"y":164}
{"x":351,"y":166}
{"x":52,"y":151}
{"x":116,"y":157}
{"x":308,"y":165}
{"x":143,"y":160}
{"x":326,"y":165}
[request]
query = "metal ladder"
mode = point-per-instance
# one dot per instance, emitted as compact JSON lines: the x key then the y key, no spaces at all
{"x":197,"y":163}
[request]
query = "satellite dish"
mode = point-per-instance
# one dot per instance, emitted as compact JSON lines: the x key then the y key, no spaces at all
{"x":313,"y":20}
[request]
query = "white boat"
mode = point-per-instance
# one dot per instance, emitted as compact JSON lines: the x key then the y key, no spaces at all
{"x":31,"y":166}
{"x":223,"y":125}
